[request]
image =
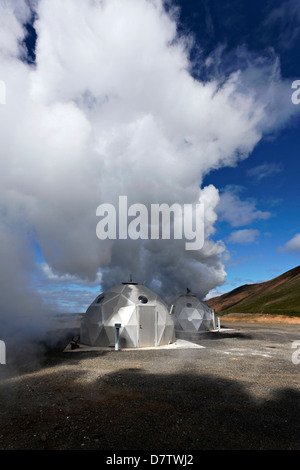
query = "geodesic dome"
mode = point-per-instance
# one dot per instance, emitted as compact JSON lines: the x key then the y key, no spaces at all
{"x":191,"y":314}
{"x":144,"y":317}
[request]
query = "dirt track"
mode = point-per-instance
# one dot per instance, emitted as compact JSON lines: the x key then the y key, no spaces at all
{"x":240,"y":390}
{"x":260,"y":318}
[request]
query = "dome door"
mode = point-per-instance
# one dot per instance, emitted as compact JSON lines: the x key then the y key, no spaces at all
{"x":147,"y":326}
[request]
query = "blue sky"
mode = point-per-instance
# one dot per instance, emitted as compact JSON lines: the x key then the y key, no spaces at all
{"x":127,"y":99}
{"x":269,"y":177}
{"x":267,"y":182}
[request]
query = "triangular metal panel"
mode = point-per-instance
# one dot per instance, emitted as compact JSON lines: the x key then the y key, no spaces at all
{"x":161,"y":316}
{"x":167,"y":336}
{"x":127,"y":315}
{"x":184,"y":323}
{"x":194,"y":315}
{"x":160,"y":331}
{"x":196,"y":322}
{"x":112,"y":307}
{"x":110,"y":332}
{"x":94,"y":331}
{"x":115,"y":318}
{"x":130,"y":334}
{"x":101,"y":339}
{"x":108,"y":296}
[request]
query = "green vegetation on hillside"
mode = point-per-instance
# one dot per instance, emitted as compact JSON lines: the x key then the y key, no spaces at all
{"x":281,"y":300}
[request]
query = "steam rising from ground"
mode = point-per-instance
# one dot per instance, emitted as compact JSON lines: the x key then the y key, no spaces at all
{"x":110,"y":108}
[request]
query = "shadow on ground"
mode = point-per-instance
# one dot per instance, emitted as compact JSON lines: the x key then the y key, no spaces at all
{"x":134,"y":410}
{"x":214,"y":335}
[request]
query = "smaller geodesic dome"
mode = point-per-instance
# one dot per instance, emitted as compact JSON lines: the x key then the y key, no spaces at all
{"x":144,"y":317}
{"x":190,"y":314}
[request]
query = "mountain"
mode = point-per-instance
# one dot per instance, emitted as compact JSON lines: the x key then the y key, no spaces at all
{"x":279,"y":296}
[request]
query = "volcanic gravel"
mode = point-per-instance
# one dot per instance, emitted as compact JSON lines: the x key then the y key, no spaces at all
{"x":240,"y":391}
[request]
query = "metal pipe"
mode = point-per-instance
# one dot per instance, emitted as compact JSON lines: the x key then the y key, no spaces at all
{"x":117,"y":327}
{"x":219,"y":325}
{"x":214,"y":320}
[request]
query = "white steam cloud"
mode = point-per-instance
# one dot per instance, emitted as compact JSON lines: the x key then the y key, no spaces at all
{"x":110,"y":108}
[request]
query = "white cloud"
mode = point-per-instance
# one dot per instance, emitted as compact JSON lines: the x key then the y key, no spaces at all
{"x":238,"y":213}
{"x":243,"y":237}
{"x":51,"y":276}
{"x":292,"y":246}
{"x":286,"y":17}
{"x":110,"y":108}
{"x":214,"y":293}
{"x":265,"y":170}
{"x":65,"y":292}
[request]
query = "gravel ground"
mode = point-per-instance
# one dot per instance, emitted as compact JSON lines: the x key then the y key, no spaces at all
{"x":240,"y":391}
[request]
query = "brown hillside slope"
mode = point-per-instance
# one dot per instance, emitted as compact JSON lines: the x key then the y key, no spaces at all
{"x":249,"y":292}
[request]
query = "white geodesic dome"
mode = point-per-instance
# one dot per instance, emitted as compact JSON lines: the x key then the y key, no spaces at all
{"x":144,"y":317}
{"x":191,"y":314}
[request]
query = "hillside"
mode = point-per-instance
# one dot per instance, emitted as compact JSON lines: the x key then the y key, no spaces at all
{"x":279,"y":296}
